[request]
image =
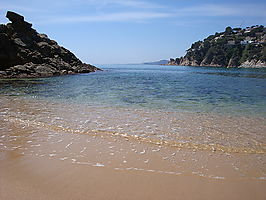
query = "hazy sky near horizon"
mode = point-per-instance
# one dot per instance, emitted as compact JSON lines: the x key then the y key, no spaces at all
{"x":133,"y":31}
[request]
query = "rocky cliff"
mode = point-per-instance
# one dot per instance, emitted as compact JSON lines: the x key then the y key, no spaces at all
{"x":26,"y":53}
{"x":232,"y":48}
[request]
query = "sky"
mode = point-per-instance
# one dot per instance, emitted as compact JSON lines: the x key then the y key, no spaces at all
{"x":133,"y":31}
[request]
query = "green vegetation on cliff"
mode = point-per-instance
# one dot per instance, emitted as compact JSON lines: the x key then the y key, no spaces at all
{"x":232,"y":48}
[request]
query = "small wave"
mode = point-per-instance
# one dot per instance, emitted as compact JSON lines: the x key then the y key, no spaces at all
{"x":259,"y":149}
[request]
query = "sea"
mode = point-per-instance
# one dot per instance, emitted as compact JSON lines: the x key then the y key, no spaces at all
{"x":221,"y":111}
{"x":228,"y":91}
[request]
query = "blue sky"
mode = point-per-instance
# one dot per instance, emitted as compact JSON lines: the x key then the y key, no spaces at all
{"x":133,"y":31}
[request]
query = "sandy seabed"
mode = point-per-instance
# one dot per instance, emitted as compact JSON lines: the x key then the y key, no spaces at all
{"x":58,"y":151}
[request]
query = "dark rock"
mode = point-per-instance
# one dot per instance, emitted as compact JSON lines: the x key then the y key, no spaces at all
{"x":19,"y":42}
{"x":18,"y":21}
{"x":14,"y":17}
{"x":63,"y":72}
{"x":26,"y":53}
{"x":21,"y":68}
{"x":3,"y":73}
{"x":45,"y":70}
{"x":8,"y":52}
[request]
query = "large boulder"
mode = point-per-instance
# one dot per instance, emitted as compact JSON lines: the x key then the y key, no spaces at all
{"x":18,"y":21}
{"x":14,"y":17}
{"x":26,"y":53}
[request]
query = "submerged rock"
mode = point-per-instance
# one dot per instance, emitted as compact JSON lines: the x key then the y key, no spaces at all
{"x":26,"y":53}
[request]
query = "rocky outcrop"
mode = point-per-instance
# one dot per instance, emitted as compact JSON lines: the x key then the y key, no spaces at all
{"x":232,"y":48}
{"x":174,"y":61}
{"x":253,"y":64}
{"x":26,"y":53}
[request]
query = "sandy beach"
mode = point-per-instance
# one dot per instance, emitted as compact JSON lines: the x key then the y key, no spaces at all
{"x":38,"y":178}
{"x":46,"y":154}
{"x":133,"y":100}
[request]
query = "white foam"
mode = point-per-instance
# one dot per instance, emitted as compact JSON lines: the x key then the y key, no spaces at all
{"x":142,"y":152}
{"x":217,"y":177}
{"x":98,"y":165}
{"x":35,"y":145}
{"x":69,"y":144}
{"x":83,"y":163}
{"x":83,"y":149}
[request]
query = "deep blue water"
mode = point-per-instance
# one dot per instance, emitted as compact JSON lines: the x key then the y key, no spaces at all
{"x":171,"y":88}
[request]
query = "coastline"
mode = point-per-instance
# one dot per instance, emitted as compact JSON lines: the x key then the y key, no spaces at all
{"x":235,"y":47}
{"x":247,"y":65}
{"x":47,"y":151}
{"x":72,"y":137}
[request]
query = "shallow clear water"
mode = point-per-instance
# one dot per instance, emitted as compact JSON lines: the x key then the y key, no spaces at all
{"x":170,"y":88}
{"x":159,"y":119}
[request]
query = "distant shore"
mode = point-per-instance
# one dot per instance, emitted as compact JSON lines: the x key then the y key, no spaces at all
{"x":235,"y":47}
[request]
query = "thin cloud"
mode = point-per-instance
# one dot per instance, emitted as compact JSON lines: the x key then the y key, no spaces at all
{"x":113,"y":17}
{"x":138,"y":4}
{"x":224,"y":10}
{"x":20,"y":8}
{"x":125,"y":3}
{"x":136,"y":11}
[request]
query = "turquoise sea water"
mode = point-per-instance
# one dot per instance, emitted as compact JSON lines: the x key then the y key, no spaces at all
{"x":170,"y":88}
{"x":168,"y":118}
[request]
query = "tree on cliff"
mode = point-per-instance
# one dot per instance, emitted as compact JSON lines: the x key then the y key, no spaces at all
{"x":231,"y":48}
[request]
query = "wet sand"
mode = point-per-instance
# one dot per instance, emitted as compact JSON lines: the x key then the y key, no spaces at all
{"x":35,"y":178}
{"x":53,"y":151}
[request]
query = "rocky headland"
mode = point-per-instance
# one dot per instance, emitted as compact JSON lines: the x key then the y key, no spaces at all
{"x":26,"y":53}
{"x":236,"y":47}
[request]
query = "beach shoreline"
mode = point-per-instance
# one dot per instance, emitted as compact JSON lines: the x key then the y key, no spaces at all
{"x":53,"y":151}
